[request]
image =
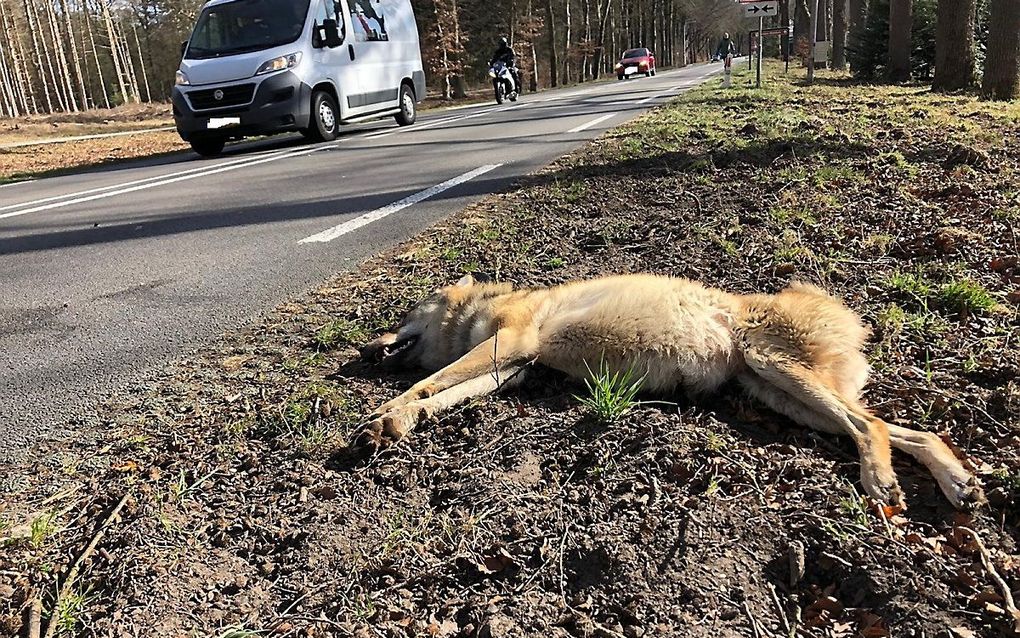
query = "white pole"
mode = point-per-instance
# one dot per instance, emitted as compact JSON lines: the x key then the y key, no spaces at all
{"x":761,"y":22}
{"x":814,"y":41}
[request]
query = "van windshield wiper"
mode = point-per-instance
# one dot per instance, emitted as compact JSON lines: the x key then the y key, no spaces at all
{"x":245,"y":49}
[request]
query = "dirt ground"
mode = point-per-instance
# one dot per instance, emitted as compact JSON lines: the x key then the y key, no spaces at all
{"x":242,"y":513}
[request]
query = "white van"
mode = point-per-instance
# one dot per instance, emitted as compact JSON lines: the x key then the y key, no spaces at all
{"x":255,"y":67}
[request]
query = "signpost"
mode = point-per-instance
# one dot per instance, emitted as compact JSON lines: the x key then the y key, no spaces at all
{"x":760,"y":9}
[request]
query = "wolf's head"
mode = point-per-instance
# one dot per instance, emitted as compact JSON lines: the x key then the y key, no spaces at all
{"x":419,"y":340}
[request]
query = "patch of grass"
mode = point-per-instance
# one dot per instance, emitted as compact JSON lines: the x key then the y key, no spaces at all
{"x":965,"y":295}
{"x":239,"y":632}
{"x":878,"y":243}
{"x":610,"y":394}
{"x":841,"y":173}
{"x":308,"y":417}
{"x":571,"y":193}
{"x":555,"y":262}
{"x":728,"y":247}
{"x":42,"y":528}
{"x":451,"y":254}
{"x":337,"y":332}
{"x":914,"y":284}
{"x":66,"y":614}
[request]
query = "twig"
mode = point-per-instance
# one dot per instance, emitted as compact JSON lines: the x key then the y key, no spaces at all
{"x":750,"y":616}
{"x":782,"y":612}
{"x":65,"y":589}
{"x":1004,"y":590}
{"x":34,"y":616}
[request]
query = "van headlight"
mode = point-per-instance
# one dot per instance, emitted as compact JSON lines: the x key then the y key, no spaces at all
{"x":279,"y":64}
{"x":180,"y":79}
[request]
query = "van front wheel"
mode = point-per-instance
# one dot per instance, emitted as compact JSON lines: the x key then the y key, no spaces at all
{"x":325,"y":118}
{"x":408,"y":107}
{"x":209,"y":146}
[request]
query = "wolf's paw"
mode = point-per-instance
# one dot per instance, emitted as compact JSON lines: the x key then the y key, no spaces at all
{"x":961,"y":488}
{"x":882,"y":486}
{"x":389,"y":428}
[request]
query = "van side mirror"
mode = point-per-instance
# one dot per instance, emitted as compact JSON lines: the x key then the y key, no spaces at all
{"x":184,"y":47}
{"x":331,"y":33}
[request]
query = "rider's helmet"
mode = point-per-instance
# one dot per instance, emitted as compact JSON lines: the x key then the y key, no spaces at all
{"x":726,"y":36}
{"x":503,"y":42}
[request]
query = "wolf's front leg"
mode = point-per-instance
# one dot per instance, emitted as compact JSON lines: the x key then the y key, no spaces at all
{"x":397,"y":422}
{"x":508,"y":348}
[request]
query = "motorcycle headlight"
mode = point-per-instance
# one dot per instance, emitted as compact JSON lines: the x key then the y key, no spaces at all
{"x":492,"y":73}
{"x":180,"y":79}
{"x":279,"y":64}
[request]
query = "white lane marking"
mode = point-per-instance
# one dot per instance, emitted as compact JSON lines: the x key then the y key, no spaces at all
{"x":23,"y":181}
{"x":588,"y":125}
{"x":100,"y":189}
{"x":449,"y":120}
{"x":330,"y":234}
{"x":223,"y":168}
{"x":79,"y":138}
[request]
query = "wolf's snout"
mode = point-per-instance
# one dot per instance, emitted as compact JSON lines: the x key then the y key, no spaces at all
{"x":375,"y":351}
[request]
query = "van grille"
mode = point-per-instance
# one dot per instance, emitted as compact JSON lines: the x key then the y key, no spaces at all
{"x":236,"y":95}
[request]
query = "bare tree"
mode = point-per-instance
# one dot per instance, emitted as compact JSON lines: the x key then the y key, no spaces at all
{"x":1002,"y":64}
{"x":900,"y":26}
{"x":954,"y":45}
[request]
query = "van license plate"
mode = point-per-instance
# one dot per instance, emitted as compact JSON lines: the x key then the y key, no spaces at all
{"x":220,"y":122}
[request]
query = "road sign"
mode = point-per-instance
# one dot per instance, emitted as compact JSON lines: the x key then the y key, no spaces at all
{"x":773,"y":31}
{"x":760,"y":8}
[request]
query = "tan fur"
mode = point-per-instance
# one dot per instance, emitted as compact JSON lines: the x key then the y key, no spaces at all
{"x":798,"y":351}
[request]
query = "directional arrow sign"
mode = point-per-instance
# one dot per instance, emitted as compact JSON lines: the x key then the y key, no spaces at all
{"x":760,"y":9}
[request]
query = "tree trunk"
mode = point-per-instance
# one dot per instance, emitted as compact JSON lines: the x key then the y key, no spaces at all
{"x":566,"y":45}
{"x":954,"y":45}
{"x":63,"y":66}
{"x":600,"y":52}
{"x":22,"y":82}
{"x":40,"y":68}
{"x":900,"y":26}
{"x":65,"y":8}
{"x":95,"y":54}
{"x":550,"y":19}
{"x":839,"y":32}
{"x":1002,"y":65}
{"x":141,"y":62}
{"x":114,"y":46}
{"x":58,"y":87}
{"x":802,"y":30}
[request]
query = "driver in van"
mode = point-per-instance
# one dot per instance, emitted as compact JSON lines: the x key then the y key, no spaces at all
{"x":506,"y":55}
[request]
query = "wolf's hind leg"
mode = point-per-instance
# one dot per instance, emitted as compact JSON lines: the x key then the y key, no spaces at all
{"x":960,"y":486}
{"x":829,"y":411}
{"x":390,"y":427}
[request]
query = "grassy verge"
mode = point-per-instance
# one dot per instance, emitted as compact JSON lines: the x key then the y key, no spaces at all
{"x":536,"y":514}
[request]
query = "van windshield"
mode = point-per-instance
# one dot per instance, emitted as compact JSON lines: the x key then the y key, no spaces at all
{"x":242,"y":26}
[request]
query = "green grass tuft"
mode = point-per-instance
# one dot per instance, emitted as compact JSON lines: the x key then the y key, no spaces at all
{"x":610,"y":394}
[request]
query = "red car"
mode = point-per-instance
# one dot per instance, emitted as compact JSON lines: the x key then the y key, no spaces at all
{"x":636,"y":61}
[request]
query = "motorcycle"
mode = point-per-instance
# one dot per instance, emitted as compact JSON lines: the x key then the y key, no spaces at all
{"x":503,"y":83}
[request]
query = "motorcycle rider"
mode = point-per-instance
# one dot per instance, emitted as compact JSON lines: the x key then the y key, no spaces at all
{"x":506,"y":55}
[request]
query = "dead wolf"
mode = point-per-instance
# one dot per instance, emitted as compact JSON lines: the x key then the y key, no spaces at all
{"x":798,"y":352}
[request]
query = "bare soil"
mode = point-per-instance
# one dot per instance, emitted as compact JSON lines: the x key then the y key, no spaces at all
{"x":523,"y":515}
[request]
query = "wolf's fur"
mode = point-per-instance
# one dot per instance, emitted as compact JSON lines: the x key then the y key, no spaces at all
{"x":799,"y":352}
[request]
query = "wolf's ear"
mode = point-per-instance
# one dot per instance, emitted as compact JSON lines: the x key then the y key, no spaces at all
{"x":482,"y":278}
{"x":466,"y":280}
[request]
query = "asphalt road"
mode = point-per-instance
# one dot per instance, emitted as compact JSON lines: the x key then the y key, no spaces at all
{"x":110,"y":273}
